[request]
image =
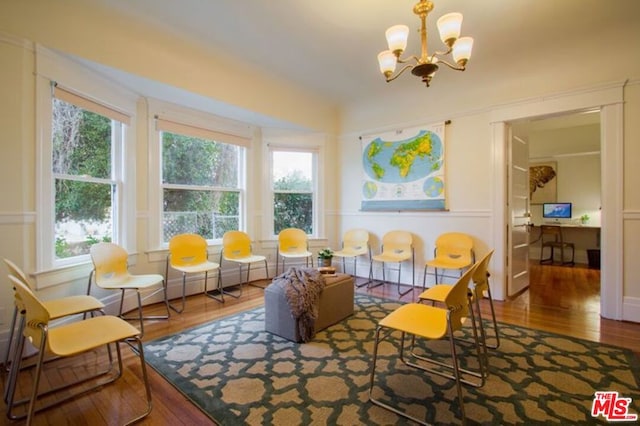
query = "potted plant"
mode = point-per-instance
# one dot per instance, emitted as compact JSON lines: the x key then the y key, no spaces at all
{"x":584,"y":219}
{"x":324,"y":257}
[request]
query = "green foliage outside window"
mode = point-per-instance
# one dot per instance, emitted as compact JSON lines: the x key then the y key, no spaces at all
{"x":88,"y":154}
{"x":293,"y":209}
{"x":197,"y":163}
{"x":81,"y":150}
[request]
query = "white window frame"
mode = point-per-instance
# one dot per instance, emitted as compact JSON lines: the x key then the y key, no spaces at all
{"x":303,"y":142}
{"x":53,"y":67}
{"x":202,"y":124}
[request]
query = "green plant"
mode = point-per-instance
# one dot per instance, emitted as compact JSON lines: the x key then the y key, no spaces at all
{"x":584,"y":218}
{"x":326,"y":253}
{"x":62,"y":248}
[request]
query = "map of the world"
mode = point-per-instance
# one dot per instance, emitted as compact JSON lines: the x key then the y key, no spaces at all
{"x":404,"y":173}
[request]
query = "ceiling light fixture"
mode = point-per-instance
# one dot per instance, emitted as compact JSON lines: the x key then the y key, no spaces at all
{"x":426,"y":65}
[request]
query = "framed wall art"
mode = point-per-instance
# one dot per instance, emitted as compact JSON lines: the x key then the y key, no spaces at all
{"x":543,"y":182}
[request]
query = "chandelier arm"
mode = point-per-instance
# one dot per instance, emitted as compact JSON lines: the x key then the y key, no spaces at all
{"x":406,"y":67}
{"x":453,"y":67}
{"x":404,"y":61}
{"x":441,"y":53}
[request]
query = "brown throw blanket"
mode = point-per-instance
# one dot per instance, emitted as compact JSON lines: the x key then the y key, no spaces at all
{"x":302,"y":288}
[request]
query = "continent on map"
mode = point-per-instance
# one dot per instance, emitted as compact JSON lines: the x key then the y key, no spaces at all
{"x":433,"y":187}
{"x":374,"y":149}
{"x":369,"y":190}
{"x":405,"y":155}
{"x":403,"y":161}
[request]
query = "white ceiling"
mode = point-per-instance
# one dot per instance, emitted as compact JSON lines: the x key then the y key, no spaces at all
{"x":330,"y":46}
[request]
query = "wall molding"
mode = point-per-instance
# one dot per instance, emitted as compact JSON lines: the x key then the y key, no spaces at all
{"x":631,"y":214}
{"x":497,"y":111}
{"x":426,"y":213}
{"x":17,"y":218}
{"x":16,"y":41}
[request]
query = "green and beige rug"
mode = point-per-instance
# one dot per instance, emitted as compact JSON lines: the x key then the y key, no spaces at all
{"x":239,"y":374}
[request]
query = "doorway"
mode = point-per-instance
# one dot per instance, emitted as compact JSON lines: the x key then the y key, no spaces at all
{"x":564,"y":169}
{"x":610,"y":102}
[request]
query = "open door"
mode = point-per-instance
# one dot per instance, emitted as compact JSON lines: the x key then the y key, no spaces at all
{"x":518,"y":215}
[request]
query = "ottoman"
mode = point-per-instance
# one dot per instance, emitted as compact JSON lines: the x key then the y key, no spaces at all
{"x":335,"y":304}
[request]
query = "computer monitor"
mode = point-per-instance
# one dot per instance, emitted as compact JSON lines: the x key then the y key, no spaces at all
{"x":556,"y":210}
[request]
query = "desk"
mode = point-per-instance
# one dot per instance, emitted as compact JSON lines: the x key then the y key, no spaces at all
{"x":584,"y":237}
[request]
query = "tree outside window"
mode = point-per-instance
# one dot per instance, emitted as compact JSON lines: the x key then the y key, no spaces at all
{"x":201,"y":186}
{"x":293,"y":190}
{"x":82,"y":170}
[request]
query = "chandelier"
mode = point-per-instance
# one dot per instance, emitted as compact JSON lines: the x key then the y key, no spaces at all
{"x":426,"y":65}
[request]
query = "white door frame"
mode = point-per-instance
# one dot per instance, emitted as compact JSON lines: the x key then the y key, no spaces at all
{"x":609,"y":99}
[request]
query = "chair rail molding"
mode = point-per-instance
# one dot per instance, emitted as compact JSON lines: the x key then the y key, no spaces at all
{"x":17,"y":218}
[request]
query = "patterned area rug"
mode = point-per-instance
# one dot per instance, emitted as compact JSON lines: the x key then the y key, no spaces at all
{"x":239,"y":374}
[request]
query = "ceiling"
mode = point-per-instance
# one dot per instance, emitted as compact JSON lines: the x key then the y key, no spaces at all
{"x":330,"y":46}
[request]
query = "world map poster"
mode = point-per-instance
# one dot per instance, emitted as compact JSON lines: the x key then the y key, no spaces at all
{"x":404,"y":170}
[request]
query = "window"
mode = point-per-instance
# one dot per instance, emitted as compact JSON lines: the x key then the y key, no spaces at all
{"x":85,"y":167}
{"x":202,"y":181}
{"x":293,"y":185}
{"x":82,"y":169}
{"x":84,"y":146}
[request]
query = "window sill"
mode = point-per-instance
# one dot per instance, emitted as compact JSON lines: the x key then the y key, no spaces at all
{"x":62,"y":275}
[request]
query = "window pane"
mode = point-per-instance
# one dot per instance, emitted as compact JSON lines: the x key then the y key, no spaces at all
{"x":83,"y":216}
{"x":194,"y":161}
{"x":292,"y":171}
{"x":292,"y":210}
{"x":207,"y":213}
{"x":81,"y":141}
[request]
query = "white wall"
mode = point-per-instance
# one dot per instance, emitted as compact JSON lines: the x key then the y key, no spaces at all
{"x":472,"y":109}
{"x":469,"y":197}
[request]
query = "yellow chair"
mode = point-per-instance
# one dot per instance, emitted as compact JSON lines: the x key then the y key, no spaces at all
{"x":69,"y":340}
{"x":480,"y":286}
{"x":58,"y":308}
{"x":236,"y":248}
{"x":454,"y":250}
{"x":426,"y":322}
{"x":188,"y":255}
{"x":551,"y":236}
{"x":355,"y":243}
{"x":111,"y":272}
{"x":397,"y":247}
{"x":292,"y":244}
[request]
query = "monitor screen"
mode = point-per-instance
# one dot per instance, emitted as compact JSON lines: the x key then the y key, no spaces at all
{"x":556,"y":210}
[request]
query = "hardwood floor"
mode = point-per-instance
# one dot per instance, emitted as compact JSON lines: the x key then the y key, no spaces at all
{"x":563,"y":300}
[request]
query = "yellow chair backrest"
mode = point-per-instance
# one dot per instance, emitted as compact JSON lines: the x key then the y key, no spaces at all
{"x":36,"y":313}
{"x":356,"y":239}
{"x":397,"y":242}
{"x":110,"y":262}
{"x":236,"y":245}
{"x":292,"y":240}
{"x":17,"y":272}
{"x":455,"y":245}
{"x":457,"y":300}
{"x":481,"y":275}
{"x":187,"y":250}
